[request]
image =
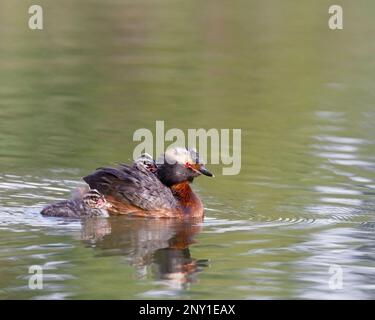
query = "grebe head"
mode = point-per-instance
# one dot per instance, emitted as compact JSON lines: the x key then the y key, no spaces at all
{"x":145,"y":161}
{"x":95,"y":200}
{"x":179,"y":165}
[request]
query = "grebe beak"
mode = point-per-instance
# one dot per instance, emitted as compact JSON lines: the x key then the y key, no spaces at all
{"x":204,"y":171}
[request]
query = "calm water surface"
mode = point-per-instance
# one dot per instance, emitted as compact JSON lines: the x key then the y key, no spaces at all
{"x":72,"y":95}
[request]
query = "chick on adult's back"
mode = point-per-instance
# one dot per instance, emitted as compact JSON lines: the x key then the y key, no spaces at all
{"x":166,"y":192}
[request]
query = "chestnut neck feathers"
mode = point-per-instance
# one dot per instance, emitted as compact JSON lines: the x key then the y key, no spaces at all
{"x":188,"y":201}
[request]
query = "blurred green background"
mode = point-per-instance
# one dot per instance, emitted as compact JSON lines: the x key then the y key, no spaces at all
{"x":72,"y":95}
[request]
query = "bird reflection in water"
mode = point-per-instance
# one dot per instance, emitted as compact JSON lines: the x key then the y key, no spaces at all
{"x":157,"y":246}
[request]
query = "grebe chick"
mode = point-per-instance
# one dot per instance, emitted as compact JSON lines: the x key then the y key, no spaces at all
{"x":91,"y":204}
{"x":145,"y":161}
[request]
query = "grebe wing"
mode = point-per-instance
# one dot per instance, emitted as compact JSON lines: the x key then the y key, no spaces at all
{"x":127,"y":184}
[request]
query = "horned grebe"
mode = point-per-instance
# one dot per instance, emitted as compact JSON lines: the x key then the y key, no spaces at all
{"x":162,"y":191}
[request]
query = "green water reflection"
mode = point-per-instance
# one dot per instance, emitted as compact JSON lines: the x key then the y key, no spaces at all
{"x":72,"y":95}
